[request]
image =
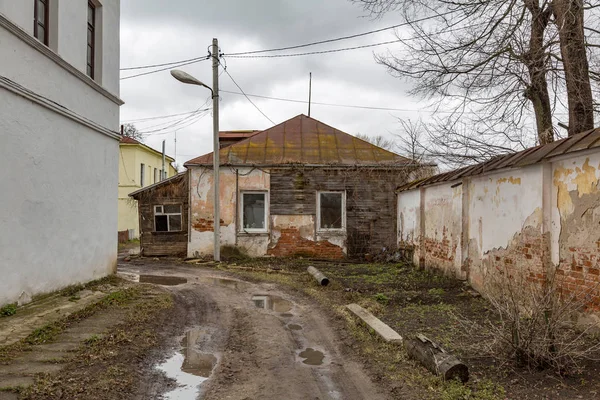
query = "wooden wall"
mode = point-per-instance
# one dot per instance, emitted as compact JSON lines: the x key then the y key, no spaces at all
{"x":370,"y":201}
{"x":171,"y":191}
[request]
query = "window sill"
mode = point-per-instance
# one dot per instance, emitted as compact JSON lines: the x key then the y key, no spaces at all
{"x":331,"y":232}
{"x":166,"y":233}
{"x":250,"y":233}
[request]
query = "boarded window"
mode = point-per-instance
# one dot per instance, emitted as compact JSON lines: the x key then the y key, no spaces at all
{"x":330,"y":209}
{"x":167,"y":218}
{"x":254,"y":211}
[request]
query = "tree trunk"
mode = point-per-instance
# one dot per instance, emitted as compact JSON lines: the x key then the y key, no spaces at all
{"x":435,"y":359}
{"x":536,"y":62}
{"x":569,"y":19}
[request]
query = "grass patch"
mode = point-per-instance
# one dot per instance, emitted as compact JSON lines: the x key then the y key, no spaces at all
{"x":382,"y":298}
{"x":8,"y":310}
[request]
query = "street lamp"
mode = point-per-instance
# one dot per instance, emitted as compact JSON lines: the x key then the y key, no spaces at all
{"x":190,"y":80}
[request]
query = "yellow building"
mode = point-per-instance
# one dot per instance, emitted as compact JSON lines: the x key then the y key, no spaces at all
{"x":139,"y":166}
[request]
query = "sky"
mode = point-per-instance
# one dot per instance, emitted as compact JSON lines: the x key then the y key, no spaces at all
{"x":157,"y":31}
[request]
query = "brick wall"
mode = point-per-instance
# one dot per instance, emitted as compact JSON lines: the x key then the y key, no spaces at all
{"x":291,"y":243}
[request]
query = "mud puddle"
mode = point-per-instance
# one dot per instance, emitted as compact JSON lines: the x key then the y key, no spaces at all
{"x":274,"y":303}
{"x":188,"y":367}
{"x":294,"y":327}
{"x":162,"y":280}
{"x":312,"y":357}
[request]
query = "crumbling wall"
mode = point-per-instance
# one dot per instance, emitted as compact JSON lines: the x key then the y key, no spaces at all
{"x":443,"y":226}
{"x":576,"y":228}
{"x":505,"y":223}
{"x":409,"y":223}
{"x":202,"y":206}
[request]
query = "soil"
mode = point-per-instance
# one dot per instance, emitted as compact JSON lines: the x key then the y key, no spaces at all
{"x":265,"y":330}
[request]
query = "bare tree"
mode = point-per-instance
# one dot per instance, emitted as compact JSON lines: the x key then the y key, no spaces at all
{"x":569,"y":16}
{"x":130,"y":131}
{"x":378,"y":141}
{"x":496,"y":64}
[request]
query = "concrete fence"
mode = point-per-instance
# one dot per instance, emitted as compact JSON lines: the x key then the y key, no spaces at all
{"x":537,"y":219}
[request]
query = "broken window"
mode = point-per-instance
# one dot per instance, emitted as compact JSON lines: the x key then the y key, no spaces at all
{"x":330,"y":210}
{"x":254,"y":211}
{"x":167,"y":218}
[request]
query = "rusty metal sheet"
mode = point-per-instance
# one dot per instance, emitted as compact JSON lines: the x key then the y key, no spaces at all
{"x":303,"y":140}
{"x":590,"y":140}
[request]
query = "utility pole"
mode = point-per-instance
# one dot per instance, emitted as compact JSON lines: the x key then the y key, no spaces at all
{"x":176,"y":149}
{"x":217,"y":205}
{"x":309,"y":91}
{"x":163,"y":172}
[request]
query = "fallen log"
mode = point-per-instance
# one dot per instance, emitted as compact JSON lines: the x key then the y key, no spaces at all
{"x":436,"y":359}
{"x":322,"y":279}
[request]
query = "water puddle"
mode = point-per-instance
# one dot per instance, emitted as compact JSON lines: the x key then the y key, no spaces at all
{"x":188,"y":367}
{"x":274,"y":303}
{"x":287,"y":315}
{"x":294,"y":327}
{"x":312,"y":357}
{"x":162,"y":280}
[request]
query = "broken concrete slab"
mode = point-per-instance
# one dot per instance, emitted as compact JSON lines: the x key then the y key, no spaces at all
{"x":383,"y":330}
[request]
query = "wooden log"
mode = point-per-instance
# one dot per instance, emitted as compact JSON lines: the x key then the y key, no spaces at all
{"x":322,"y":279}
{"x":436,"y":359}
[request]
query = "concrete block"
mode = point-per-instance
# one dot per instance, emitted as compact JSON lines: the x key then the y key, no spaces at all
{"x":387,"y":333}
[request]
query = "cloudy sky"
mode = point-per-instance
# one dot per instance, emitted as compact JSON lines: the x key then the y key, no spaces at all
{"x":157,"y":31}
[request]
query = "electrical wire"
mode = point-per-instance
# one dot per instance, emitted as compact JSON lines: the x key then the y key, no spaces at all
{"x":163,"y":64}
{"x":197,"y":59}
{"x":248,"y":98}
{"x":129,"y":121}
{"x":173,"y":65}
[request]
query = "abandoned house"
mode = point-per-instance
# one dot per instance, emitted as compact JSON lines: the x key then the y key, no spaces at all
{"x":535,"y":214}
{"x":298,"y":188}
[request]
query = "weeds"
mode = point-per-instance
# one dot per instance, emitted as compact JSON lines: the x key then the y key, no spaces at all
{"x":8,"y":310}
{"x":382,"y":298}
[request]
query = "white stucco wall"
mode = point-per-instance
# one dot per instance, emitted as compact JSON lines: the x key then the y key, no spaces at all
{"x":502,"y":204}
{"x":59,"y":152}
{"x":58,"y":213}
{"x":36,"y":72}
{"x":409,"y":204}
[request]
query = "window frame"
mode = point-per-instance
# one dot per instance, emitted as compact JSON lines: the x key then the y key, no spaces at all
{"x":90,"y":69}
{"x":46,"y":21}
{"x":318,"y":211}
{"x":180,"y":213}
{"x":265,"y":193}
{"x":142,"y":174}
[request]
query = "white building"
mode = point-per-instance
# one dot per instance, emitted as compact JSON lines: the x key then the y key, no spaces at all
{"x":59,"y":117}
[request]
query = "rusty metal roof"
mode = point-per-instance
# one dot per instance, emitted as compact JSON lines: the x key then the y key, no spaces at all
{"x":303,"y":140}
{"x":237,"y":134}
{"x":582,"y":141}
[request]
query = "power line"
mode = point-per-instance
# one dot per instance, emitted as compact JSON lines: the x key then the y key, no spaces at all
{"x":129,"y":121}
{"x":333,"y":104}
{"x":341,"y":38}
{"x":251,"y":102}
{"x":164,"y":69}
{"x":163,"y":64}
{"x":318,"y":52}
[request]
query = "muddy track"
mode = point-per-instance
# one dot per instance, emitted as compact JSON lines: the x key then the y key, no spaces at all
{"x":268,"y":344}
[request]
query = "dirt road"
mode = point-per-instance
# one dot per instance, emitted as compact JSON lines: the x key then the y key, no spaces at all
{"x":243,"y":340}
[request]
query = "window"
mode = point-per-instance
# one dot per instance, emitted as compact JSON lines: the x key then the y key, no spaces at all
{"x":155,"y":175}
{"x":254,"y":211}
{"x":331,"y":210}
{"x":167,"y":218}
{"x":40,"y":23}
{"x":143,"y":171}
{"x":91,"y":39}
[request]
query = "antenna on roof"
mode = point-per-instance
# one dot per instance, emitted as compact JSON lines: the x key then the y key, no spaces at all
{"x":309,"y":90}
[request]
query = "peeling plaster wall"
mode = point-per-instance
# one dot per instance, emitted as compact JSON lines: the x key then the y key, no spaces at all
{"x":201,"y":210}
{"x":443,"y":227}
{"x":575,"y":232}
{"x":501,"y":206}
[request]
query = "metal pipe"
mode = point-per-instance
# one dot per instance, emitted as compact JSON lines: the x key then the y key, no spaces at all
{"x":318,"y":275}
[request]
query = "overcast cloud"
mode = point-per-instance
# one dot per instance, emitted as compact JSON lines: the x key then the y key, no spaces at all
{"x":157,"y":31}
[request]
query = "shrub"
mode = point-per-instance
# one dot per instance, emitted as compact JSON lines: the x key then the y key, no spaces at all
{"x":8,"y":310}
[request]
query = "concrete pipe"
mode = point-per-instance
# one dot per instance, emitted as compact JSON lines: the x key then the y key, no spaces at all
{"x":322,"y":279}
